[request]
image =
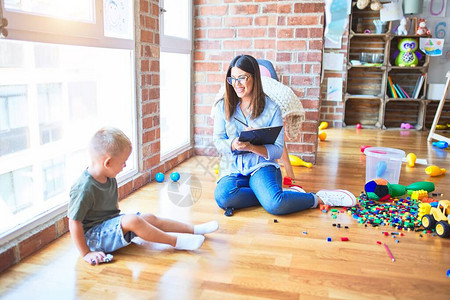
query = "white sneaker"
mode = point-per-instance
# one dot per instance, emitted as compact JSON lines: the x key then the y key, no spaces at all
{"x":295,"y":188}
{"x":337,"y":197}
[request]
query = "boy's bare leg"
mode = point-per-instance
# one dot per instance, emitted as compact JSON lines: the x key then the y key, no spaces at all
{"x":146,"y":230}
{"x":150,"y":233}
{"x":169,"y":225}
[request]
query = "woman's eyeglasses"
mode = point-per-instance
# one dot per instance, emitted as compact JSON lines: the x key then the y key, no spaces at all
{"x":241,"y":80}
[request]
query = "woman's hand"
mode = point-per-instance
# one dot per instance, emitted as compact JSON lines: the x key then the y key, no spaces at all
{"x":246,"y":146}
{"x":242,"y":146}
{"x":94,"y":258}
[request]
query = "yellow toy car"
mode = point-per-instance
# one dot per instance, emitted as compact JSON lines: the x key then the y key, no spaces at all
{"x":436,"y":217}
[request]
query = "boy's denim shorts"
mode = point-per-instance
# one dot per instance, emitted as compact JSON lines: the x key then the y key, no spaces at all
{"x":108,"y":236}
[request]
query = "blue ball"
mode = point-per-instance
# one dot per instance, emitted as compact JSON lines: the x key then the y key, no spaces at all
{"x":159,"y":177}
{"x":175,"y":176}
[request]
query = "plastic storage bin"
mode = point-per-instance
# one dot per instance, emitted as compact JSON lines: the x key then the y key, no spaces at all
{"x":383,"y":163}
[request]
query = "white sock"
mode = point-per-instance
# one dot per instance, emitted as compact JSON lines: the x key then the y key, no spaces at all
{"x":186,"y":241}
{"x":205,"y":228}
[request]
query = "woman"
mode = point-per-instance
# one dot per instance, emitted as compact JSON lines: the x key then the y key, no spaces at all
{"x":254,"y":178}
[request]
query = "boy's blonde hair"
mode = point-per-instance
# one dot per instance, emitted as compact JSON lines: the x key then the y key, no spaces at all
{"x":109,"y":140}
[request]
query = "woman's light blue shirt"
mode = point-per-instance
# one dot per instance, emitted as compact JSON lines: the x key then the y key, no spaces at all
{"x":225,"y":131}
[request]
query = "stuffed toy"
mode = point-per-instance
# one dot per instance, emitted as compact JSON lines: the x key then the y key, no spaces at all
{"x":401,"y":29}
{"x":406,"y":55}
{"x":380,"y":189}
{"x":374,"y":4}
{"x":422,"y":28}
{"x":361,"y":4}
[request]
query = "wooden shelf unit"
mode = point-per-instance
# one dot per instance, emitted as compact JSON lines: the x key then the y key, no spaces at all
{"x":367,"y":99}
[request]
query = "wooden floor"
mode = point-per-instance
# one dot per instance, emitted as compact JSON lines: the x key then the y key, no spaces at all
{"x":251,"y":256}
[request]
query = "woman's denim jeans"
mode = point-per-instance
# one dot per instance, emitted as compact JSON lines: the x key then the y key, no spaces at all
{"x":262,"y":188}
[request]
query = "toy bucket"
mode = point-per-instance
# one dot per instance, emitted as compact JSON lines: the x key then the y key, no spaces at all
{"x":383,"y":163}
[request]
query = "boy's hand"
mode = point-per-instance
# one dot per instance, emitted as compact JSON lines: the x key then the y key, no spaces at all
{"x":94,"y":258}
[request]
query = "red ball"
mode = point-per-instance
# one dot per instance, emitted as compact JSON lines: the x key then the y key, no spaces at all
{"x":358,"y":126}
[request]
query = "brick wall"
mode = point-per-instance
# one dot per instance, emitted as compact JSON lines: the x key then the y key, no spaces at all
{"x":288,"y":33}
{"x":31,"y":242}
{"x":147,"y":82}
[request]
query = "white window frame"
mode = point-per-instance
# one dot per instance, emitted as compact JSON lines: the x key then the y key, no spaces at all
{"x":46,"y":29}
{"x":36,"y":28}
{"x":172,"y":44}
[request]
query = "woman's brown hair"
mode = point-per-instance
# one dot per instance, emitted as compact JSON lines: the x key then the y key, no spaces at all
{"x":250,"y":65}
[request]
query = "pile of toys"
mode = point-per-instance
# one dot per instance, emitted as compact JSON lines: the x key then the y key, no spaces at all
{"x":380,"y":205}
{"x":399,"y":213}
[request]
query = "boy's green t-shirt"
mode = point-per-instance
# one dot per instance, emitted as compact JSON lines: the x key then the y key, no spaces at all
{"x":92,"y":202}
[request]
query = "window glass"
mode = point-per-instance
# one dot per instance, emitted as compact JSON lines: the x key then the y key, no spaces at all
{"x":50,"y":106}
{"x":14,"y":129}
{"x":175,"y":75}
{"x":176,"y":19}
{"x":175,"y":101}
{"x":53,"y":177}
{"x":79,"y":10}
{"x":52,"y":100}
{"x":14,"y":188}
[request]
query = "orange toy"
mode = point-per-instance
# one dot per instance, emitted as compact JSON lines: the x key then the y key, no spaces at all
{"x":322,"y":135}
{"x":435,"y":171}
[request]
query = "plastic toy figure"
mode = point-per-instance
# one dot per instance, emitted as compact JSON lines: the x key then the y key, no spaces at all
{"x":407,"y":54}
{"x":401,"y":30}
{"x":406,"y":126}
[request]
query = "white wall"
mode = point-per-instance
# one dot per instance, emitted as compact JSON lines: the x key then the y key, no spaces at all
{"x":439,"y":65}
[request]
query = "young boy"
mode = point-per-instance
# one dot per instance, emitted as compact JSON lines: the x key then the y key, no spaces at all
{"x":95,"y":222}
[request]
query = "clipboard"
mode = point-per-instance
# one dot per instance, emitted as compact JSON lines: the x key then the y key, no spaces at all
{"x":260,"y":136}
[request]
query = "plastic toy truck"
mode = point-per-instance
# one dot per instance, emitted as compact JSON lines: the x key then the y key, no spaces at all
{"x":436,"y":217}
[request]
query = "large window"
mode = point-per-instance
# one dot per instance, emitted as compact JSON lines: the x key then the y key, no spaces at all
{"x":175,"y":64}
{"x":56,"y":89}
